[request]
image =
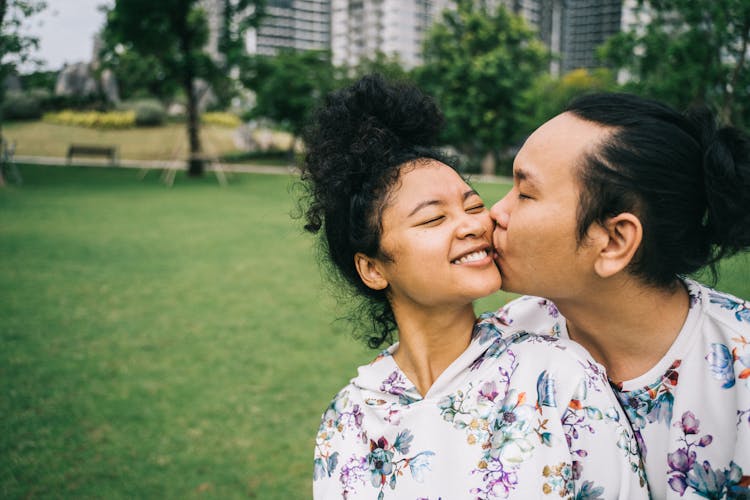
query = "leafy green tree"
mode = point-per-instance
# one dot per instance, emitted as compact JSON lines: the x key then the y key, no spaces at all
{"x":477,"y":63}
{"x":16,"y":48}
{"x":690,"y":52}
{"x":548,"y":96}
{"x":139,"y":75}
{"x":289,"y":85}
{"x":171,"y":35}
{"x":390,"y":66}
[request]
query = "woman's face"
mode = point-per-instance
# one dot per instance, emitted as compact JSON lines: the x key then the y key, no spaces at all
{"x":438,"y":235}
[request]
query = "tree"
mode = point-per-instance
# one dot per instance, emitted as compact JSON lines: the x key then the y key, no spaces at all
{"x":289,"y":85}
{"x":389,"y":66}
{"x":548,"y":96}
{"x":477,"y":63}
{"x":688,"y":52}
{"x":173,"y":35}
{"x":16,"y":48}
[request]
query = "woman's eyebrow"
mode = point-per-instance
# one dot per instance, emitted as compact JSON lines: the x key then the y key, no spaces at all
{"x":424,"y":204}
{"x":468,"y":194}
{"x":427,"y":203}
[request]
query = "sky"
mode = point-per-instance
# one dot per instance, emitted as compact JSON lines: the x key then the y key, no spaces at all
{"x":65,"y":30}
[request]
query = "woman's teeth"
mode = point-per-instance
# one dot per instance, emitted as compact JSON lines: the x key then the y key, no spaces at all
{"x":472,"y":257}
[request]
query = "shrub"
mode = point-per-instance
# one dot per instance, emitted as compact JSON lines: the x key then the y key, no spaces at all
{"x":149,"y":113}
{"x":221,"y":119}
{"x":93,"y":119}
{"x":21,"y":106}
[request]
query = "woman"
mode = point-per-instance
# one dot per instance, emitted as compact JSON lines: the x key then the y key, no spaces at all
{"x":454,"y":409}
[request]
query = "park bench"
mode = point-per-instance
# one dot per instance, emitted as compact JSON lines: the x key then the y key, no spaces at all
{"x":92,"y":150}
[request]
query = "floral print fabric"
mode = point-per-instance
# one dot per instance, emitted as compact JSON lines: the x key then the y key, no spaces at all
{"x":691,"y":412}
{"x":515,"y":416}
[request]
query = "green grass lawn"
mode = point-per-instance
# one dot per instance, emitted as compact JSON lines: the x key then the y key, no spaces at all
{"x":37,"y":138}
{"x":168,"y":343}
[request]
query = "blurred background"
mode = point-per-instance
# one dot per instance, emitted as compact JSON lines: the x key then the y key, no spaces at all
{"x":183,"y":342}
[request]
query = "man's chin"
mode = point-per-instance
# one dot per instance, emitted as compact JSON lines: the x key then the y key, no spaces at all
{"x":507,"y":285}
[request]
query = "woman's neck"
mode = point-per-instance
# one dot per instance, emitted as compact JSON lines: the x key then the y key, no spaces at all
{"x":430,"y":340}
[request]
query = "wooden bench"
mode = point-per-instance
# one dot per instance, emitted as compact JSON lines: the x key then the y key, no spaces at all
{"x":92,"y":150}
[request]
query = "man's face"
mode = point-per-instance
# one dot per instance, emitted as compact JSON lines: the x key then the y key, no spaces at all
{"x":535,"y":235}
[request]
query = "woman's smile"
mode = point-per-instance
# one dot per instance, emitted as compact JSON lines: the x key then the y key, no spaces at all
{"x":475,"y":258}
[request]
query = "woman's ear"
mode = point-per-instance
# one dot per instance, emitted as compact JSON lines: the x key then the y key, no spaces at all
{"x":369,"y":271}
{"x":618,"y":240}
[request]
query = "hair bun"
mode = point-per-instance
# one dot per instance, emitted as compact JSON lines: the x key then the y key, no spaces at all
{"x":360,"y":132}
{"x":726,"y":167}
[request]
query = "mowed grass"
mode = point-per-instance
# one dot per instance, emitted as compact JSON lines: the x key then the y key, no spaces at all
{"x":168,"y":343}
{"x":167,"y":142}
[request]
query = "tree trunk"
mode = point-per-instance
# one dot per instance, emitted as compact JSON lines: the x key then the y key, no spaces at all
{"x":725,"y":111}
{"x":488,"y":164}
{"x":195,"y":160}
{"x":3,"y":9}
{"x":2,"y":144}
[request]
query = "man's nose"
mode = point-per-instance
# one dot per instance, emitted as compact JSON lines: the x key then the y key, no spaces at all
{"x":500,"y":211}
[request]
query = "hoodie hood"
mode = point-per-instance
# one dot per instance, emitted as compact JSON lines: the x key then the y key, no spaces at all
{"x":383,"y":382}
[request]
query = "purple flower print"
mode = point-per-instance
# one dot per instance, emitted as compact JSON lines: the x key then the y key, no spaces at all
{"x":488,"y":391}
{"x":689,"y":423}
{"x":681,"y":460}
{"x":678,"y":483}
{"x":686,"y":472}
{"x":394,"y":384}
{"x":550,"y":307}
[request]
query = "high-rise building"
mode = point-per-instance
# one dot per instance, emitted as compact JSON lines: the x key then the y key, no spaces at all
{"x":360,"y":29}
{"x":573,"y":29}
{"x":292,"y":24}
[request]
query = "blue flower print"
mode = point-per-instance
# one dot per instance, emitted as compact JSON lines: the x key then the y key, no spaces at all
{"x":545,"y":390}
{"x":382,"y":468}
{"x":740,"y":308}
{"x":721,"y":362}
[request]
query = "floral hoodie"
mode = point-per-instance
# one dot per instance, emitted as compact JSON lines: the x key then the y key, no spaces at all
{"x":691,"y":411}
{"x":514,"y":416}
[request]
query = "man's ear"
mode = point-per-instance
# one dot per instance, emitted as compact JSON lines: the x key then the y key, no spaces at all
{"x":617,"y":240}
{"x":369,"y":271}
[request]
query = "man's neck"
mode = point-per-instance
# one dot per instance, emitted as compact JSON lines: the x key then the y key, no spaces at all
{"x":626,"y":326}
{"x":430,"y":341}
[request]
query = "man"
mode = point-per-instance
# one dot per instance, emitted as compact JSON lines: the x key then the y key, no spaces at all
{"x":614,"y":202}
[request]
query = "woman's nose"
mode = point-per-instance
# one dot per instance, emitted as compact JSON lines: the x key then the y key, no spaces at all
{"x":473,"y":225}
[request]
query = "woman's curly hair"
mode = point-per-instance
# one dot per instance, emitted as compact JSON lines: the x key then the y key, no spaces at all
{"x":356,"y":143}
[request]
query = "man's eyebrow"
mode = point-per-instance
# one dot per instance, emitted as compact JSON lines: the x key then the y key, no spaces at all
{"x":523,"y":175}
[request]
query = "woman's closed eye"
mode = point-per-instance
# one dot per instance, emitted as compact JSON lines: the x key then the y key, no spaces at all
{"x":432,"y":220}
{"x":476,"y":208}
